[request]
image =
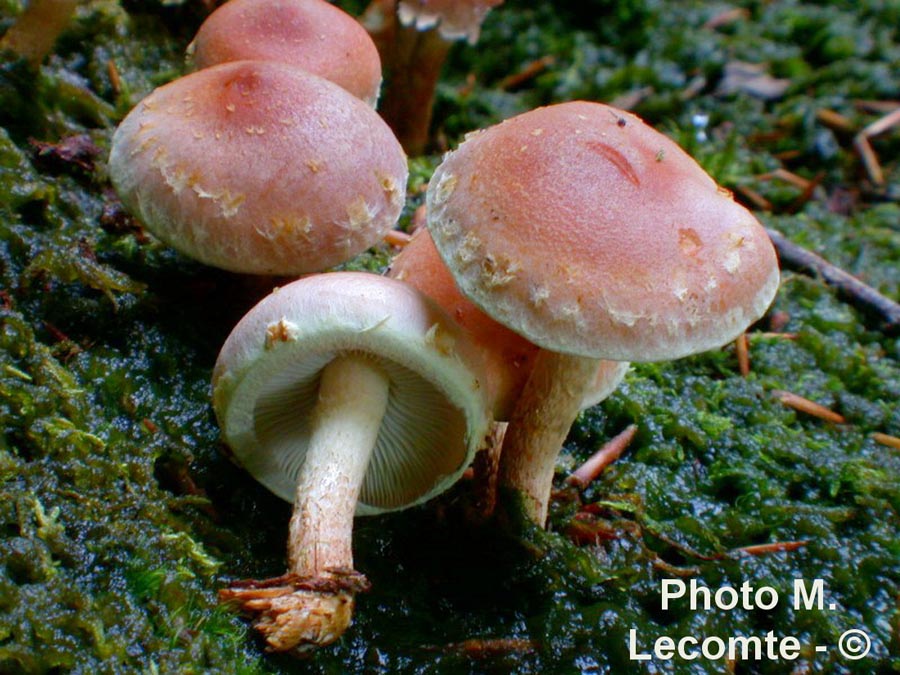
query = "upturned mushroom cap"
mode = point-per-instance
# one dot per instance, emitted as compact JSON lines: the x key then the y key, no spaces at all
{"x":455,"y":19}
{"x":266,"y":379}
{"x":259,"y":167}
{"x":311,"y":34}
{"x":586,"y":231}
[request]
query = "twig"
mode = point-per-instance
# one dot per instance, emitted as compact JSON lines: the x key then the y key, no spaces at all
{"x":774,"y":547}
{"x":834,"y":120}
{"x":879,"y":126}
{"x":483,"y":648}
{"x":852,"y":289}
{"x":742,"y":350}
{"x":862,"y":145}
{"x":885,"y":439}
{"x":869,"y":158}
{"x":529,"y":72}
{"x":606,"y":455}
{"x":806,"y":194}
{"x":754,"y":197}
{"x":787,"y":176}
{"x":115,"y":79}
{"x":726,"y":17}
{"x":802,"y":404}
{"x":877,"y":107}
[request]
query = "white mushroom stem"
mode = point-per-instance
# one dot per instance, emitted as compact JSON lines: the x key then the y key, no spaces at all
{"x":312,"y":605}
{"x":353,"y":395}
{"x":546,"y":409}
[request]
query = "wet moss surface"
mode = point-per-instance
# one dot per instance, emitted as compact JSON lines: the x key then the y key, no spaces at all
{"x":120,"y":517}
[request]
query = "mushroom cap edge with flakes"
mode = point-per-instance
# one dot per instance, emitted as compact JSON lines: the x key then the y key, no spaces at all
{"x":266,"y":374}
{"x":508,"y":356}
{"x":585,"y":230}
{"x":259,"y":167}
{"x":455,"y":19}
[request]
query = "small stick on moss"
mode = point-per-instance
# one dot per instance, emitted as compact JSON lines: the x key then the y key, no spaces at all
{"x":115,"y":79}
{"x":526,"y":74}
{"x":726,"y":17}
{"x":864,"y":148}
{"x":835,"y":121}
{"x":809,"y":407}
{"x":606,"y":455}
{"x":852,"y":289}
{"x":674,"y":570}
{"x":869,"y":159}
{"x":774,"y":547}
{"x":885,"y":439}
{"x":742,"y":351}
{"x":754,"y":197}
{"x":877,"y":107}
{"x":483,"y":648}
{"x":786,"y":176}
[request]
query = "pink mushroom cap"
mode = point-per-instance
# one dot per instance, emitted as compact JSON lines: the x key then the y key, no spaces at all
{"x":585,"y":230}
{"x":311,"y":34}
{"x":259,"y":167}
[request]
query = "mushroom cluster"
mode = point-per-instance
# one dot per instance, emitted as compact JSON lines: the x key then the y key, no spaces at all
{"x":594,"y":236}
{"x":562,"y":244}
{"x":257,"y":163}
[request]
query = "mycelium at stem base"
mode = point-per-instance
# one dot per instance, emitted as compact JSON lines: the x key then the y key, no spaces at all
{"x":546,"y":409}
{"x":315,"y":607}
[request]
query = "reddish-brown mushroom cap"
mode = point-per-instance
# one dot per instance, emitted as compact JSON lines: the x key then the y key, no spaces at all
{"x":582,"y":228}
{"x":259,"y":167}
{"x":596,"y":237}
{"x":311,"y":34}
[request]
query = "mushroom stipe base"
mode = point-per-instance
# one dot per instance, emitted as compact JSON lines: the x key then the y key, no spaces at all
{"x":324,"y":605}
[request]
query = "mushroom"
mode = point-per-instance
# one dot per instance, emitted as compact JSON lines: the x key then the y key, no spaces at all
{"x":413,"y":54}
{"x":259,"y":167}
{"x":344,"y":393}
{"x":595,"y":237}
{"x":311,"y":34}
{"x":508,"y":357}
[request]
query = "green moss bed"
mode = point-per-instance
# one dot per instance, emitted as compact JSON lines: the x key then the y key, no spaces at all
{"x":120,"y":517}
